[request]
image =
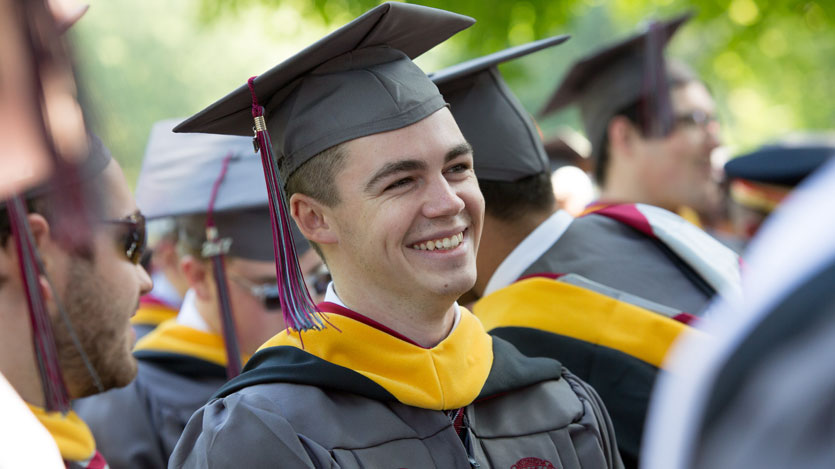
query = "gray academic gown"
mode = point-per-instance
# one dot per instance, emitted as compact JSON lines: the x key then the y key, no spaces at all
{"x":610,"y":252}
{"x":138,"y":426}
{"x":618,"y":256}
{"x":291,"y":409}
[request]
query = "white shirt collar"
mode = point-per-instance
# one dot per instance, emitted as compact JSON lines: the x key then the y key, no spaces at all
{"x":165,"y":291}
{"x":529,"y":250}
{"x":332,"y":297}
{"x":189,"y":316}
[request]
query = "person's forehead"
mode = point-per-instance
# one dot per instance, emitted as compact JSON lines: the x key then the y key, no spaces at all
{"x":116,"y":195}
{"x":432,"y":136}
{"x":693,"y":95}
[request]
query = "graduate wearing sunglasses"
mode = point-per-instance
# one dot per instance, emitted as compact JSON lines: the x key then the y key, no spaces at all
{"x":79,"y":343}
{"x":204,"y":184}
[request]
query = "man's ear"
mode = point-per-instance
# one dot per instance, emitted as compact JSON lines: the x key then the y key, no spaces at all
{"x":622,"y":134}
{"x":313,"y":219}
{"x":46,"y":249}
{"x":197,"y":274}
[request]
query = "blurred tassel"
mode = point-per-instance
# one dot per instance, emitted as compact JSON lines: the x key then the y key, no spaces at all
{"x":62,"y":124}
{"x":657,"y":107}
{"x":56,"y":396}
{"x":214,"y":248}
{"x":296,"y":304}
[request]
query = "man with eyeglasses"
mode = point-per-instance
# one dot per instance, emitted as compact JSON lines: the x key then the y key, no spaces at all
{"x":651,"y":122}
{"x":203,"y":183}
{"x":90,"y":294}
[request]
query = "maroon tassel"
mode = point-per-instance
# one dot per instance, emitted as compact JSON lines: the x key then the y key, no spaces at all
{"x":56,"y":396}
{"x":214,"y":248}
{"x":299,"y":311}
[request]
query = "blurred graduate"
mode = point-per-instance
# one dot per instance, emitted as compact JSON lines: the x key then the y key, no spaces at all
{"x":70,"y":243}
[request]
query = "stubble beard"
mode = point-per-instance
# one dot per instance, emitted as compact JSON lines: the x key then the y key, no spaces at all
{"x":101,"y":329}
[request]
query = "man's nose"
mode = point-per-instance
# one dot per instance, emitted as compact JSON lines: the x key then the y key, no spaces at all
{"x":442,"y":200}
{"x":145,"y":282}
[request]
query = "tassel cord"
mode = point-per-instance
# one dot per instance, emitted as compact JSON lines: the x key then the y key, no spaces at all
{"x":230,"y":337}
{"x":214,"y":249}
{"x":296,"y":303}
{"x":56,"y":396}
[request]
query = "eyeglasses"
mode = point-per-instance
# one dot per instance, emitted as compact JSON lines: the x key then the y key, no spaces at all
{"x":134,"y":238}
{"x":267,"y":293}
{"x":319,"y":279}
{"x":695,"y":118}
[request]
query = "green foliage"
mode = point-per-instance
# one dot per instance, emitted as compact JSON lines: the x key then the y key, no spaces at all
{"x":768,"y":62}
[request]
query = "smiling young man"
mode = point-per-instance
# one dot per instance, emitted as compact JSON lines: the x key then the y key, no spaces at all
{"x":381,"y":180}
{"x":90,"y":297}
{"x":199,"y":180}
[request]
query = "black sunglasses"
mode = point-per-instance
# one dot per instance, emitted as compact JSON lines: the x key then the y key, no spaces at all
{"x":134,"y":239}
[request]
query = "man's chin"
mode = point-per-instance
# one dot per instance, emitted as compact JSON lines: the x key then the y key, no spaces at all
{"x":117,"y":375}
{"x":455,"y":286}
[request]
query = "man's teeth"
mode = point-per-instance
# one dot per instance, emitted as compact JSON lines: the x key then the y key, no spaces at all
{"x":441,"y":244}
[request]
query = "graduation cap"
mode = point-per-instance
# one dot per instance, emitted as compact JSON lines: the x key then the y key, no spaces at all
{"x":763,"y":178}
{"x":506,"y":143}
{"x":610,"y":79}
{"x":178,"y":176}
{"x":357,"y":81}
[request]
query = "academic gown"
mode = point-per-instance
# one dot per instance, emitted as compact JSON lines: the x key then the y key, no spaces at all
{"x":179,"y":369}
{"x":357,"y":394}
{"x":614,"y":345}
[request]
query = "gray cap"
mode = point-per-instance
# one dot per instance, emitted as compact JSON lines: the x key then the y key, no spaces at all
{"x":608,"y":80}
{"x":506,"y":143}
{"x":178,"y":175}
{"x":357,"y":81}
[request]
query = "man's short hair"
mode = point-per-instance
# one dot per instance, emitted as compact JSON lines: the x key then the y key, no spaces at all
{"x":510,"y":201}
{"x":191,"y":234}
{"x":316,"y":178}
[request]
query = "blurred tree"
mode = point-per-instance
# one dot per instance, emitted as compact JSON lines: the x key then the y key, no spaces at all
{"x":768,"y":62}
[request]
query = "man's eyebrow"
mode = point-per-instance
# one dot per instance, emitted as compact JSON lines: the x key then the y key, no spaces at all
{"x":458,"y":150}
{"x":392,"y":168}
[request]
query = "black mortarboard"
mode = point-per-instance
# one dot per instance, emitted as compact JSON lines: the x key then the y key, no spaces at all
{"x":784,"y":164}
{"x":506,"y":143}
{"x":357,"y":81}
{"x":606,"y":81}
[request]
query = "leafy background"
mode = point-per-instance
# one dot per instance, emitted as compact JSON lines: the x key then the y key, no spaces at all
{"x":769,"y":63}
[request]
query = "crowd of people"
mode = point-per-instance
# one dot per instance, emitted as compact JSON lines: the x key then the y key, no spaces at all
{"x":398,"y":276}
